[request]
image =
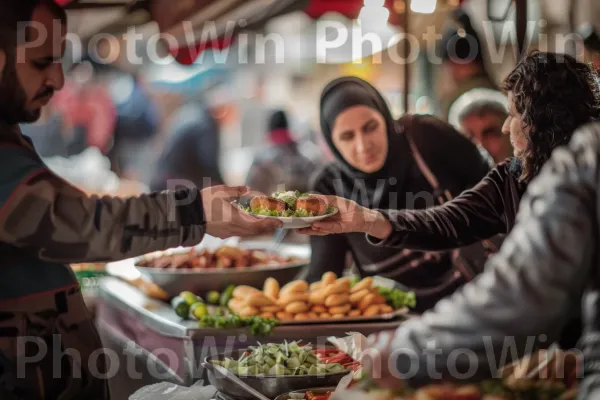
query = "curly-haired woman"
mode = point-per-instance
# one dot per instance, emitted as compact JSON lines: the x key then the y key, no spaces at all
{"x":550,"y":95}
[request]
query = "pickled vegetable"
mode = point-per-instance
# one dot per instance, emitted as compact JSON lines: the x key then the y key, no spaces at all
{"x":281,"y":359}
{"x":227,"y":295}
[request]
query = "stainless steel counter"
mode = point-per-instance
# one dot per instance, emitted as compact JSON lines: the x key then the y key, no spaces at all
{"x":178,"y":347}
{"x":160,"y":317}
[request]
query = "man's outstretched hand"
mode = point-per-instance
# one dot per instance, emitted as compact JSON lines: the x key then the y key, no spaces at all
{"x":224,"y":220}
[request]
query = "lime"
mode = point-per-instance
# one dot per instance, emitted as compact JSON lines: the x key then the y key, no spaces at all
{"x":199,"y":310}
{"x":190,"y":297}
{"x":181,"y":307}
{"x":213,"y":297}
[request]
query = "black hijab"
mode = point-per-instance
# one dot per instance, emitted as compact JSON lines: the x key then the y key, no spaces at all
{"x":381,"y":188}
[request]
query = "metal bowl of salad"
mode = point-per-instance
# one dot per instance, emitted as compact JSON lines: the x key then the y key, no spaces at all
{"x":274,"y":369}
{"x":294,"y":209}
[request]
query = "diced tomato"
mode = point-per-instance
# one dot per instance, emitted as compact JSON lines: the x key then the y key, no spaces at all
{"x":336,"y":359}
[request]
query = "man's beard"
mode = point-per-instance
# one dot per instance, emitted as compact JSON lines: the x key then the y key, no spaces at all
{"x":13,"y":100}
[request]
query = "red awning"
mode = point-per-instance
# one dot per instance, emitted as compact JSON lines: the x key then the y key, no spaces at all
{"x":349,"y":8}
{"x":187,"y":55}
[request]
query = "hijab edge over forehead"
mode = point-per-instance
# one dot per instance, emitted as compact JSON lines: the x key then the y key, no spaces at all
{"x":346,"y":92}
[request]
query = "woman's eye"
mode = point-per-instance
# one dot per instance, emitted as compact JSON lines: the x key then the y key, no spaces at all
{"x":41,"y":65}
{"x":371,"y":127}
{"x":347,"y":136}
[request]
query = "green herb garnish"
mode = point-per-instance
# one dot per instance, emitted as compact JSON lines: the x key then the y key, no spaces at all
{"x":398,"y":298}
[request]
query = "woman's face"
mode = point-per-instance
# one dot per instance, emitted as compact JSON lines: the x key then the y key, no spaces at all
{"x":360,"y":135}
{"x":513,"y":126}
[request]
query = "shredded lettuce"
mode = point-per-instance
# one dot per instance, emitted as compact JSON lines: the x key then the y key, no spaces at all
{"x":302,"y":213}
{"x":266,"y":212}
{"x":288,"y":197}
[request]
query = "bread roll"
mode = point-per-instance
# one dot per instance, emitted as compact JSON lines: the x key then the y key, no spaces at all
{"x":340,"y":309}
{"x":295,"y":286}
{"x":301,"y":317}
{"x":297,"y":307}
{"x":339,"y":286}
{"x":271,"y":309}
{"x":372,"y":310}
{"x":242,"y":292}
{"x":318,"y":309}
{"x":317,"y":297}
{"x":355,"y":298}
{"x":271,"y":288}
{"x":354,"y":313}
{"x":337,"y":300}
{"x":236,"y":305}
{"x":366,"y":283}
{"x":259,"y":300}
{"x":284,"y":316}
{"x":291,"y":297}
{"x":366,"y":301}
{"x":385,"y":309}
{"x":328,"y":278}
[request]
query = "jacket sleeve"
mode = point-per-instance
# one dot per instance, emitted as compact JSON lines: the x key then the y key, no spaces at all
{"x":522,"y":300}
{"x":53,"y":220}
{"x":475,"y":215}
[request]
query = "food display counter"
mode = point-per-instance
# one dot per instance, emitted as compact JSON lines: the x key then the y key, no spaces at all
{"x":146,"y":333}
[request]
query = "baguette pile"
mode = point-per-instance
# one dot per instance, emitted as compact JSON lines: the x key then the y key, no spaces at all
{"x":330,"y":298}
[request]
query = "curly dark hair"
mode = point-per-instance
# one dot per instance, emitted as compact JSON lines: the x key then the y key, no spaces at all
{"x":555,"y":94}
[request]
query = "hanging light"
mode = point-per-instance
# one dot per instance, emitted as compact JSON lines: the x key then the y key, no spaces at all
{"x":373,"y":15}
{"x":423,"y":6}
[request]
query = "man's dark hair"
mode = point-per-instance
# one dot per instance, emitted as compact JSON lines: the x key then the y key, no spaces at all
{"x":460,"y":42}
{"x":14,"y":13}
{"x":555,"y":94}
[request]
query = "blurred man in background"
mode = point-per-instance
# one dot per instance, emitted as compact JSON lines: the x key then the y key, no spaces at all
{"x":462,"y":60}
{"x":479,"y":114}
{"x":192,"y":150}
{"x":281,"y":166}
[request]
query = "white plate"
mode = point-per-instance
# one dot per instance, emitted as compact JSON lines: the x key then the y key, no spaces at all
{"x":294,"y":222}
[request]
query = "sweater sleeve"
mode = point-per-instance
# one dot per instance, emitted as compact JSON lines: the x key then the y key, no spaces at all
{"x":55,"y":221}
{"x":475,"y":215}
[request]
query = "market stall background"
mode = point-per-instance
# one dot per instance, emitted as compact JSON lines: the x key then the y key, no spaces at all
{"x":243,"y":93}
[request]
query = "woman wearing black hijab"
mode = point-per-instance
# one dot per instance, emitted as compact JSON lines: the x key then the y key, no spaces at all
{"x":416,"y":162}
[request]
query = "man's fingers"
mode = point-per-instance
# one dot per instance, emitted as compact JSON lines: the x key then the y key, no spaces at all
{"x":269,"y":225}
